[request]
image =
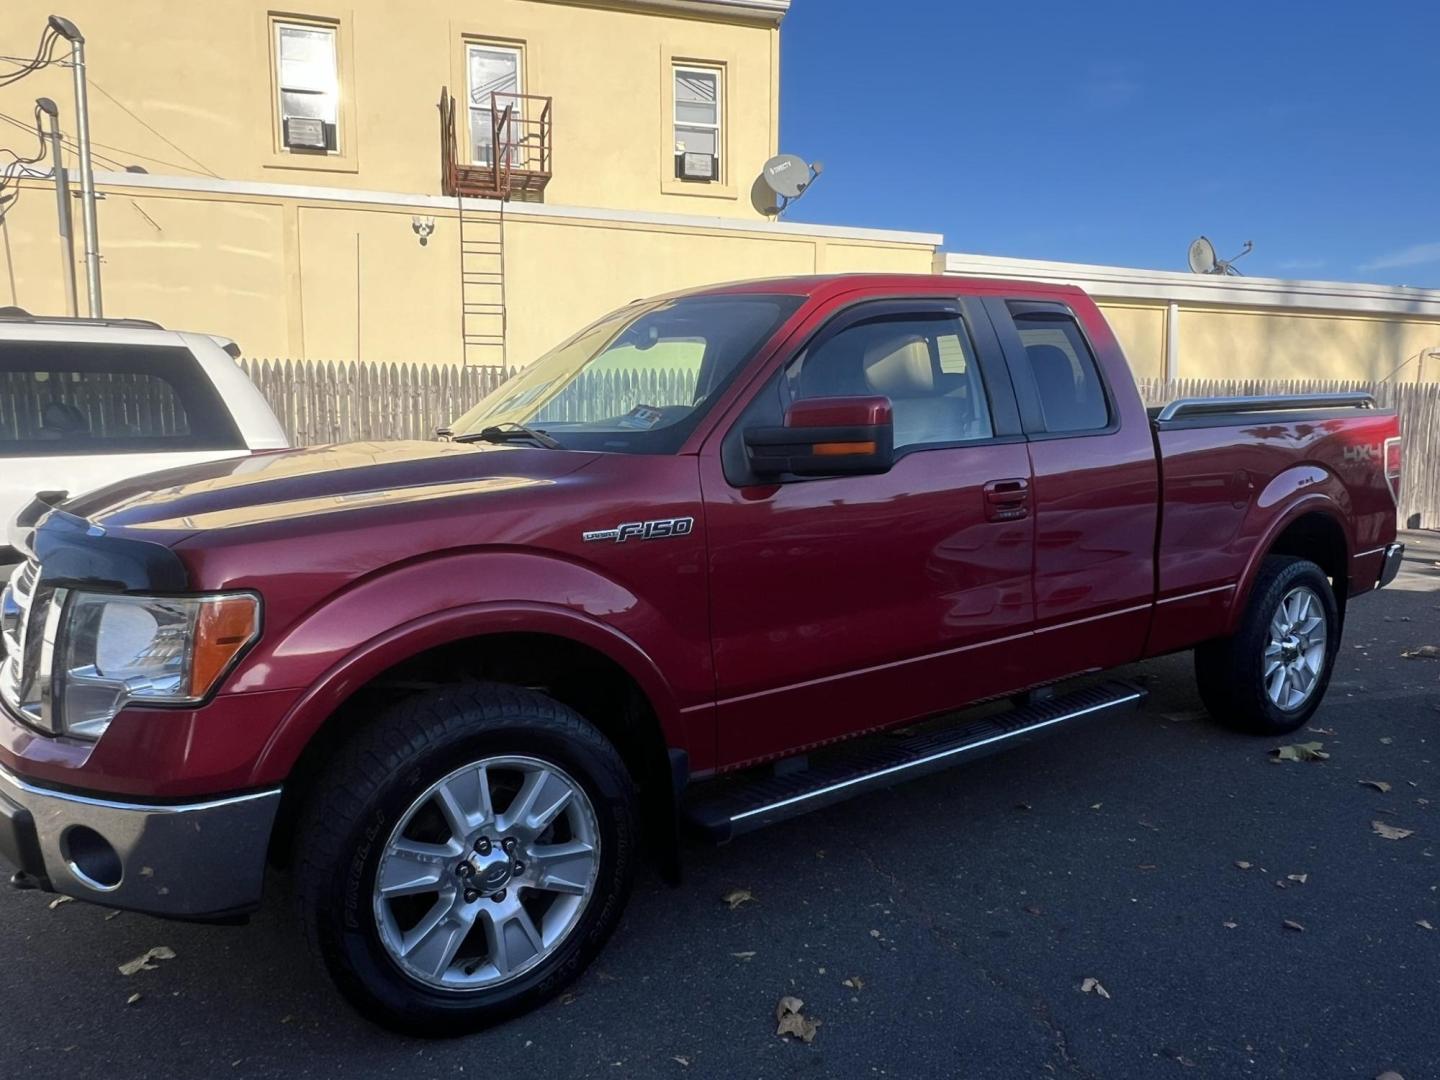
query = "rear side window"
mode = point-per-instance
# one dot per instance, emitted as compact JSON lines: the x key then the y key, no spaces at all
{"x":1062,"y":368}
{"x":63,"y":399}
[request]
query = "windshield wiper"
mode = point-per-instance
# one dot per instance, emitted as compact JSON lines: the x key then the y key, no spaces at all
{"x":509,"y":432}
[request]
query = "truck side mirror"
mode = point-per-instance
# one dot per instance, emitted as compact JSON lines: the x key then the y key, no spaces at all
{"x":834,"y":436}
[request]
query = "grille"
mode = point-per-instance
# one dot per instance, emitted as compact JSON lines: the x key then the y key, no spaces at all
{"x":19,"y":685}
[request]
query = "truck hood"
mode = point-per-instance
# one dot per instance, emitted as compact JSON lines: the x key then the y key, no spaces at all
{"x":320,"y":481}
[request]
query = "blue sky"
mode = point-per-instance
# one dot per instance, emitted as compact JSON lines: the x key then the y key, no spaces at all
{"x":1111,"y":132}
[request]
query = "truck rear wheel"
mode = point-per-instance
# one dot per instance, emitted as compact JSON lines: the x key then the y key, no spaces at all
{"x":465,"y":857}
{"x":1268,"y":677}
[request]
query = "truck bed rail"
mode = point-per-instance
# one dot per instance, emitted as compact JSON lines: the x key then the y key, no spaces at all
{"x":1182,"y":407}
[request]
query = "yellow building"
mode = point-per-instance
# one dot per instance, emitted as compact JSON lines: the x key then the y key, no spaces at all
{"x":1176,"y":325}
{"x":286,"y":176}
{"x":302,"y":193}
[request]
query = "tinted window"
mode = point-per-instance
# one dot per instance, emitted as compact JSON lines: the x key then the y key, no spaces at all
{"x":67,"y":398}
{"x":1067,"y":382}
{"x":925,"y":365}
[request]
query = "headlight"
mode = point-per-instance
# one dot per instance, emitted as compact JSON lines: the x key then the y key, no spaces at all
{"x":167,"y":650}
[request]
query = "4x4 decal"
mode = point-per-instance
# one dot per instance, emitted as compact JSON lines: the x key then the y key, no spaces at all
{"x":643,"y":530}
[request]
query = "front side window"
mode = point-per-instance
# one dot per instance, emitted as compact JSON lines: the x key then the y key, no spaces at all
{"x":698,"y":118}
{"x":924,"y":364}
{"x":307,"y":77}
{"x":62,"y":400}
{"x":495,"y":77}
{"x":1066,"y":380}
{"x":639,"y":380}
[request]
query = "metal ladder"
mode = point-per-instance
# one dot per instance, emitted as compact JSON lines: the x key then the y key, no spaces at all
{"x":482,"y":286}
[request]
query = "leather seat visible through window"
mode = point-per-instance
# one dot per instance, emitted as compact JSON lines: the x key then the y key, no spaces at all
{"x":902,"y":369}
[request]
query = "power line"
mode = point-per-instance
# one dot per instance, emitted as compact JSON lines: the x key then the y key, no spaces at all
{"x":203,"y":167}
{"x":44,"y":57}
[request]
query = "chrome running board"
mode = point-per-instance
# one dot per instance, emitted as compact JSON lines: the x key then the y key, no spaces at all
{"x":726,"y":807}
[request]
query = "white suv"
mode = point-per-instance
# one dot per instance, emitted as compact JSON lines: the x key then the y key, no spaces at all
{"x":87,"y":402}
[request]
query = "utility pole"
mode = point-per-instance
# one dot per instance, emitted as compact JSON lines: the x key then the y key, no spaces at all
{"x":62,"y":199}
{"x":71,"y":33}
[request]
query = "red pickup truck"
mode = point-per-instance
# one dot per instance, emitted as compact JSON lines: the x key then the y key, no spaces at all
{"x":671,"y":574}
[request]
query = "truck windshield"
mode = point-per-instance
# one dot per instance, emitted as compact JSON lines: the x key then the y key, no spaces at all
{"x":637,"y":381}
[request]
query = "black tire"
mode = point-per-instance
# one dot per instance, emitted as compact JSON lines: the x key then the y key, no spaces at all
{"x":350,"y":813}
{"x":1230,"y":671}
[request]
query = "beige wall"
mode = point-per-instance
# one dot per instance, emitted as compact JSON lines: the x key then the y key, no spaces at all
{"x":1229,"y":344}
{"x":187,"y":88}
{"x":1140,"y":329}
{"x":322,"y":279}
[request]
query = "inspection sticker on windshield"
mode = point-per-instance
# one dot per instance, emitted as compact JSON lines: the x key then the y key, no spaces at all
{"x":641,"y":418}
{"x":643,"y":530}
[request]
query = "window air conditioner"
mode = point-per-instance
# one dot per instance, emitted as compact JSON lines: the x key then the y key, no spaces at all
{"x":692,"y":166}
{"x":303,"y":133}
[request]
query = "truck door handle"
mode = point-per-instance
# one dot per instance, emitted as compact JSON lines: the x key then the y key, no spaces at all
{"x":1007,"y":500}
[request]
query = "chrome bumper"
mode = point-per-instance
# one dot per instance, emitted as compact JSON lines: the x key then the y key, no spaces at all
{"x":1394,"y":556}
{"x":194,"y":860}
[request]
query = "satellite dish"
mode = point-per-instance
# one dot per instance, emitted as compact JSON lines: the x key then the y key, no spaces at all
{"x":787,"y":175}
{"x":763,"y":197}
{"x":1203,"y":260}
{"x":1202,"y":256}
{"x":782,"y":180}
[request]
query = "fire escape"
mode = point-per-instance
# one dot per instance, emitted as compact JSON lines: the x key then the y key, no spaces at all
{"x":509,"y":161}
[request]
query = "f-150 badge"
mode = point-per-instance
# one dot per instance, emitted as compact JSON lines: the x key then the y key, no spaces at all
{"x":643,"y":530}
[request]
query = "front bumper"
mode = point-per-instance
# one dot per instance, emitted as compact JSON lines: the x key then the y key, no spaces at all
{"x":196,"y":860}
{"x":1394,"y":556}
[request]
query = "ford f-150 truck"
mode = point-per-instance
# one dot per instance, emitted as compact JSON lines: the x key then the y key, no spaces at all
{"x":678,"y":572}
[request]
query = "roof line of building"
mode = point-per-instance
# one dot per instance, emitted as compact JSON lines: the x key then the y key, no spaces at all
{"x":430,"y":203}
{"x":1169,"y":286}
{"x":773,"y":10}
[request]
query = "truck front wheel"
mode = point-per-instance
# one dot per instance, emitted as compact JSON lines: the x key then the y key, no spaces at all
{"x":1270,"y":675}
{"x":465,"y":856}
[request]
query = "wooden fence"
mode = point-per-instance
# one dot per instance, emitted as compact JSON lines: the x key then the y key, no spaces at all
{"x":319,"y":403}
{"x":328,"y":402}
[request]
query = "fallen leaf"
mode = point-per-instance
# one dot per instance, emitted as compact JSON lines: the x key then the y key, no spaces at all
{"x":1092,"y":986}
{"x":1422,"y":652}
{"x":854,"y":983}
{"x":1305,"y":751}
{"x":875,"y":933}
{"x":1379,"y":785}
{"x":1243,"y":865}
{"x":1230,"y":925}
{"x":132,"y":999}
{"x":1386,"y":741}
{"x":1424,"y":924}
{"x":567,"y":999}
{"x":682,"y":1060}
{"x":736,"y":897}
{"x":1147,"y":866}
{"x":1390,"y":832}
{"x":1096,"y":806}
{"x":144,"y":963}
{"x":1032,"y":909}
{"x":60,"y":900}
{"x":744,"y":955}
{"x":110,"y":915}
{"x":1323,"y":730}
{"x":789,"y":1020}
{"x":1291,"y":924}
{"x":1299,"y":879}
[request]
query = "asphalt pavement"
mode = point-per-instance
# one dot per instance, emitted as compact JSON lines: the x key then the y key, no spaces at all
{"x":1243,"y":918}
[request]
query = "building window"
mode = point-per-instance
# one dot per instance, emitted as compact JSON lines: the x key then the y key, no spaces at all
{"x":699,"y":116}
{"x":307,"y":77}
{"x":496,"y":83}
